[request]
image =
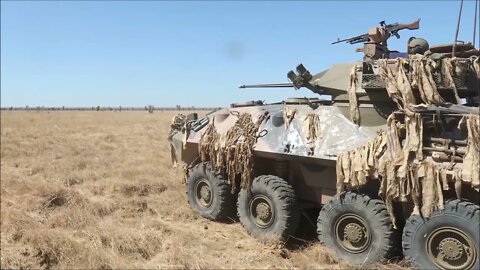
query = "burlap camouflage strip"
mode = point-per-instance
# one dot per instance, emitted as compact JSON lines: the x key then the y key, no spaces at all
{"x":403,"y":171}
{"x":471,"y":160}
{"x":179,"y":123}
{"x":398,"y":84}
{"x":311,"y":128}
{"x":231,"y":153}
{"x":449,"y":69}
{"x":476,"y":67}
{"x":352,"y":96}
{"x":399,"y":87}
{"x":209,"y":145}
{"x":288,"y":115}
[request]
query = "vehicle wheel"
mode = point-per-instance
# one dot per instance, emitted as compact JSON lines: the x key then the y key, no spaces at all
{"x":357,"y":228}
{"x":268,"y":209}
{"x":209,"y":194}
{"x":449,"y":239}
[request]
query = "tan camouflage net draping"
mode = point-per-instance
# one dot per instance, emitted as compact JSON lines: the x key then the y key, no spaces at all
{"x":476,"y":67}
{"x":288,"y":115}
{"x":231,"y":153}
{"x":399,"y":86}
{"x":311,"y":127}
{"x":471,"y":160}
{"x":421,"y":70}
{"x":179,"y":123}
{"x":352,"y":96}
{"x":448,"y":69}
{"x":403,"y":171}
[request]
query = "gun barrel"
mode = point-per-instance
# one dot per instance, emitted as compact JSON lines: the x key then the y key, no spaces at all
{"x":339,"y":40}
{"x":353,"y":40}
{"x":267,"y":85}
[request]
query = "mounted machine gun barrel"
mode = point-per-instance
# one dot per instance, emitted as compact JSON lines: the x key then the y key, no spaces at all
{"x":353,"y":40}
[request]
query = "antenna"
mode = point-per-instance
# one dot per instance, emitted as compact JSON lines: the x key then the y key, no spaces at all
{"x":458,"y":26}
{"x":475,"y":22}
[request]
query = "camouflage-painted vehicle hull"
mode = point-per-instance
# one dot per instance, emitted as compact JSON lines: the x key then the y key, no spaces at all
{"x":288,"y":141}
{"x":391,"y":161}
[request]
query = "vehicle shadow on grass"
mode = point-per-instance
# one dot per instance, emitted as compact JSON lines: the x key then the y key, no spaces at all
{"x":306,"y":233}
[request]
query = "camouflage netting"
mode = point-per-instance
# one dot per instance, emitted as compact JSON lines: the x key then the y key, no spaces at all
{"x":231,"y":153}
{"x":421,"y":68}
{"x":448,"y":69}
{"x":471,"y":160}
{"x":352,"y":96}
{"x":476,"y":66}
{"x":400,"y":87}
{"x":179,"y":123}
{"x":288,"y":115}
{"x":311,"y":127}
{"x":403,"y":171}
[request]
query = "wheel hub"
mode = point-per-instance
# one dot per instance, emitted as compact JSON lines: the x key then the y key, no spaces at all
{"x":263,"y":211}
{"x":353,"y":233}
{"x":451,"y":248}
{"x":205,"y":193}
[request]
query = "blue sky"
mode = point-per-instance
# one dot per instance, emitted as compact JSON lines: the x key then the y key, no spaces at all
{"x":132,"y":53}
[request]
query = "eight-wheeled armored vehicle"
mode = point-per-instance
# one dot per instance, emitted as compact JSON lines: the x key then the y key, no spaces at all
{"x":390,"y":160}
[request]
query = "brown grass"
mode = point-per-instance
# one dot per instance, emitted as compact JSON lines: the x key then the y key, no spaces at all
{"x":96,"y":190}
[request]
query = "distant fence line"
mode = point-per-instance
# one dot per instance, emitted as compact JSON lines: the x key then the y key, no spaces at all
{"x":99,"y":108}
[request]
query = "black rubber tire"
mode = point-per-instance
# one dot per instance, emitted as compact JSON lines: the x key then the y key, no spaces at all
{"x":373,"y":212}
{"x":284,"y":204}
{"x":222,"y":202}
{"x":462,"y":215}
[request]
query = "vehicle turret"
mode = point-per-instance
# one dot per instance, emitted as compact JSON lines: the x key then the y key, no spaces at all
{"x":455,"y":78}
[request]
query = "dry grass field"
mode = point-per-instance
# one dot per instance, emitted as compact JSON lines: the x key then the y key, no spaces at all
{"x":96,"y":190}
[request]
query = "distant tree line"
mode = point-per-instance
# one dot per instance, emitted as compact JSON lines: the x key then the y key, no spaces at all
{"x":149,"y":108}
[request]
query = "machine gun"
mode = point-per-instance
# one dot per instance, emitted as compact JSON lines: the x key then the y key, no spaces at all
{"x":376,"y":39}
{"x":382,"y":33}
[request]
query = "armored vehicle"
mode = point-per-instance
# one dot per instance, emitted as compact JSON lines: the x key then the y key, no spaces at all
{"x":390,"y":160}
